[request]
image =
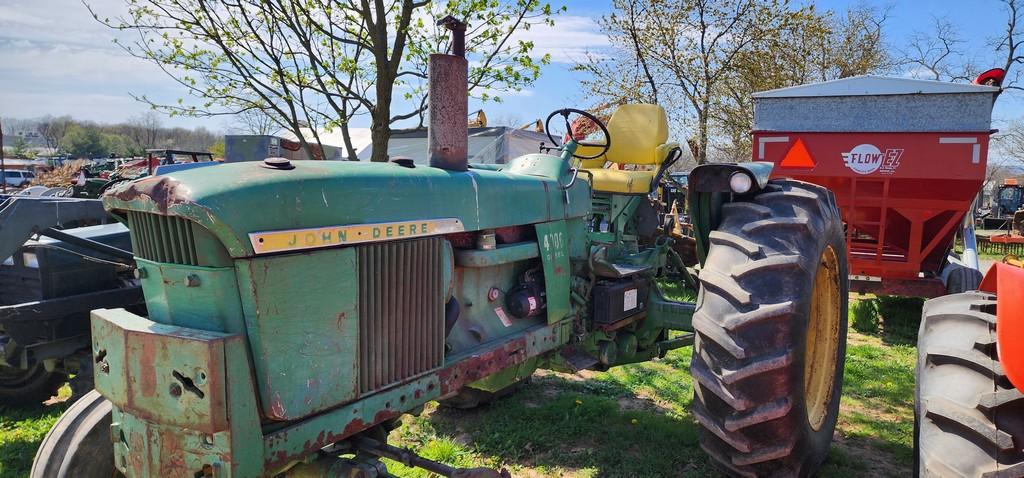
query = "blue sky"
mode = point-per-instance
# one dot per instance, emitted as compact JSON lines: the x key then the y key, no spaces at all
{"x":54,"y":59}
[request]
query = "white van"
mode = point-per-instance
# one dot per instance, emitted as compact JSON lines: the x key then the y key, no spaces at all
{"x":17,"y":178}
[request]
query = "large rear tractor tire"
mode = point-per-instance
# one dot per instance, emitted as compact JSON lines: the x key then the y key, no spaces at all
{"x":78,"y":445}
{"x":771,"y":332}
{"x":970,"y":419}
{"x":28,"y":387}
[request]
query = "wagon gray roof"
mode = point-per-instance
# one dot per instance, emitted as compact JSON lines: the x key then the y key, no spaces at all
{"x":871,"y":85}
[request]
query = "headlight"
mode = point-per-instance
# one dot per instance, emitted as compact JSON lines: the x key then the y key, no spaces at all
{"x":30,"y":260}
{"x":740,"y":182}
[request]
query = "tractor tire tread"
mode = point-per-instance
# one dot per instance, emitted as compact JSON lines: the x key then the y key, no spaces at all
{"x":963,"y":400}
{"x":718,"y":335}
{"x":779,"y":263}
{"x":791,"y":222}
{"x":993,"y":400}
{"x":757,"y":210}
{"x":747,"y":401}
{"x":726,"y":285}
{"x":763,"y":313}
{"x":971,"y":358}
{"x":961,"y":416}
{"x":731,"y":376}
{"x":79,"y":444}
{"x":762,"y":414}
{"x":726,"y":239}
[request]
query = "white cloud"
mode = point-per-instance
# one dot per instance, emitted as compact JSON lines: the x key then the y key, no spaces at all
{"x":55,"y":58}
{"x":66,"y":22}
{"x":568,"y":41}
{"x":81,"y":66}
{"x":92,"y":106}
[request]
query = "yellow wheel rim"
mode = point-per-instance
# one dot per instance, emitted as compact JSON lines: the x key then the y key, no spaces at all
{"x":822,"y":339}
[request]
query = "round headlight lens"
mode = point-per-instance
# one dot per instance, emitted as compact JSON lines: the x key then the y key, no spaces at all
{"x":740,"y":182}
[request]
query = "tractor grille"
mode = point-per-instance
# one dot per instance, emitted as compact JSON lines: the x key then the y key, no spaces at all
{"x":162,"y":238}
{"x":401,"y":311}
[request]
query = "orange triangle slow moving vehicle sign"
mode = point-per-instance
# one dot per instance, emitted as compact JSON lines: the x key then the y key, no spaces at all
{"x":798,"y":156}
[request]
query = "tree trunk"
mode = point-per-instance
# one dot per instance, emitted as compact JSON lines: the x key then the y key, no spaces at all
{"x":380,"y":133}
{"x":380,"y":129}
{"x":350,"y":152}
{"x":702,"y":135}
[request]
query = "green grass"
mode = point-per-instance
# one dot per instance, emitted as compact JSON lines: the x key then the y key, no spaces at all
{"x":21,"y":431}
{"x":632,"y":421}
{"x":894,"y":319}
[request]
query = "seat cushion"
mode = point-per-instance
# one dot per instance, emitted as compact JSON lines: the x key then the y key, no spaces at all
{"x":636,"y":131}
{"x":622,"y":182}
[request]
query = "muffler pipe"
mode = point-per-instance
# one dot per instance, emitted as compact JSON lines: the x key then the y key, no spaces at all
{"x":448,"y":102}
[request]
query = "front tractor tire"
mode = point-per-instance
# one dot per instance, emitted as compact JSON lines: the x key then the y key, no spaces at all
{"x":771,"y":332}
{"x":79,"y":444}
{"x":970,"y":418}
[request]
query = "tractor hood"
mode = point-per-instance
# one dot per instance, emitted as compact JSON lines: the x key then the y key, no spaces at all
{"x":235,"y":200}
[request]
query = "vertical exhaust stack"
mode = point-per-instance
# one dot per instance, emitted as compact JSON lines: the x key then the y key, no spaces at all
{"x":448,"y":134}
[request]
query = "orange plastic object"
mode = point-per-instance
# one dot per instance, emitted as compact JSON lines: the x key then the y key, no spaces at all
{"x":798,"y":156}
{"x":1007,"y":282}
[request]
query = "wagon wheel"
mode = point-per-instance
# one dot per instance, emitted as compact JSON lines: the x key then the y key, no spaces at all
{"x":78,"y":445}
{"x":28,"y":387}
{"x":771,"y":332}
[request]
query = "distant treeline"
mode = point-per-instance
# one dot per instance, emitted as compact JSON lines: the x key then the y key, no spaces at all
{"x":66,"y":136}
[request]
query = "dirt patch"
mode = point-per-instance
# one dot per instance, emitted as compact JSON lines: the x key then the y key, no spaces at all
{"x":561,"y":472}
{"x":877,"y":462}
{"x":878,"y":414}
{"x":642,"y":404}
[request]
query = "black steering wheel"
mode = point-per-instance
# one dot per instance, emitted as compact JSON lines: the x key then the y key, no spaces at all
{"x":565,"y":112}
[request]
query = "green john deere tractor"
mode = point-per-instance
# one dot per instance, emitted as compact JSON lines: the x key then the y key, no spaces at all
{"x":297,"y":309}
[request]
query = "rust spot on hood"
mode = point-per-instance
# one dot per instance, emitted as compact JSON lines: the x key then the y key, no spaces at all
{"x":163,"y":191}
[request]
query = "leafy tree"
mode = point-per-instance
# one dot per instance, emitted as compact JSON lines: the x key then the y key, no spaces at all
{"x":20,"y":147}
{"x":84,"y":142}
{"x":320,"y":63}
{"x":814,"y":46}
{"x":217,"y":150}
{"x":701,"y":59}
{"x":52,"y":130}
{"x":121,"y":145}
{"x":144,"y":129}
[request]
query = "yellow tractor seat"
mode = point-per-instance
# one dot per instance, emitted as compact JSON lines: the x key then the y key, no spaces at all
{"x":638,"y":135}
{"x":622,"y":182}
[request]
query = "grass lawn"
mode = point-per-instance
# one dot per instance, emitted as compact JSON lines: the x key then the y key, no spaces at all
{"x":635,"y":421}
{"x":21,"y":431}
{"x":630,"y":421}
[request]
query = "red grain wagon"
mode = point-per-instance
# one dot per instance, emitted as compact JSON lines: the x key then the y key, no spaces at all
{"x":904,"y":157}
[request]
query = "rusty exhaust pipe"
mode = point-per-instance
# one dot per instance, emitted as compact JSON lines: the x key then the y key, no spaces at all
{"x":448,"y":134}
